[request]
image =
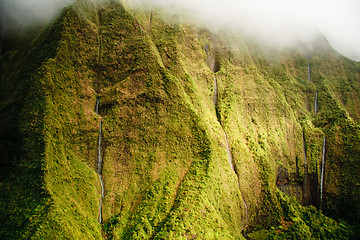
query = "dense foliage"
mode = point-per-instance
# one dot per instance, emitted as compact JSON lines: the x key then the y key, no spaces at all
{"x":165,"y":163}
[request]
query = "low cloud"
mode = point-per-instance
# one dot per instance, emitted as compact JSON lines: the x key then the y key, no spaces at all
{"x":23,"y":13}
{"x":280,"y":22}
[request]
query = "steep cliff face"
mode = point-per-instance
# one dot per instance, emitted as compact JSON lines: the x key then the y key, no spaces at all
{"x":202,"y":135}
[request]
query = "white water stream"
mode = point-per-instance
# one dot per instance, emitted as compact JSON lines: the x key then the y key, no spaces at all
{"x":322,"y":174}
{"x":232,"y":167}
{"x":304,"y":144}
{"x":99,"y":163}
{"x":229,"y":151}
{"x":215,"y":91}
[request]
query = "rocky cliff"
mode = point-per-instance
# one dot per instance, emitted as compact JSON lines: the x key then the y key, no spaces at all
{"x":203,"y":135}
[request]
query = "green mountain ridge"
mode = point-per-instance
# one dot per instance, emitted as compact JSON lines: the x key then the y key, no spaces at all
{"x":164,"y":149}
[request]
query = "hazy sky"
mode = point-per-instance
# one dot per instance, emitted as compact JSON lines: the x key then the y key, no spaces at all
{"x":282,"y":21}
{"x":275,"y":21}
{"x":26,"y":12}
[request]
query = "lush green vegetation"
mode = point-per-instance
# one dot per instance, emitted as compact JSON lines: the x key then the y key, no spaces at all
{"x":165,"y":165}
{"x":298,"y":222}
{"x":49,"y":189}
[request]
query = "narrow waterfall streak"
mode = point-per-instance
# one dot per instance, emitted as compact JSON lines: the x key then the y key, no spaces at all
{"x":99,"y":173}
{"x":101,"y":200}
{"x":245,"y":206}
{"x":304,"y":144}
{"x":232,"y":167}
{"x":229,"y":152}
{"x":97,"y":106}
{"x":322,"y":175}
{"x":215,"y":91}
{"x":309,"y":73}
{"x":99,"y":150}
{"x":316,"y":100}
{"x":99,"y":162}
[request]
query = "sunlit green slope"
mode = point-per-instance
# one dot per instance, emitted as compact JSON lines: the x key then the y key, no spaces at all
{"x":165,"y":140}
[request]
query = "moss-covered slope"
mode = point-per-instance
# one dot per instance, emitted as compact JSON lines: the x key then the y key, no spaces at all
{"x":165,"y":164}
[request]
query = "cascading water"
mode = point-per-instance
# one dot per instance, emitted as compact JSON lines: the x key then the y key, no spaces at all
{"x":99,"y":170}
{"x":215,"y":91}
{"x":322,"y":174}
{"x":97,"y":106}
{"x":229,"y":152}
{"x":304,"y":144}
{"x":315,"y":103}
{"x":232,"y":167}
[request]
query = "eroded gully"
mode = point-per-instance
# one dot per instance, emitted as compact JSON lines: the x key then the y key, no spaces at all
{"x":215,"y":101}
{"x":99,"y":163}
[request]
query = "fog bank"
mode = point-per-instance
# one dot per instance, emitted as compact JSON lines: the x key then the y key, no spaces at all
{"x":280,"y":22}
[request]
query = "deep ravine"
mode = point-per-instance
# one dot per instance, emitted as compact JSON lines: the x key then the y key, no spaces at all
{"x":99,"y":162}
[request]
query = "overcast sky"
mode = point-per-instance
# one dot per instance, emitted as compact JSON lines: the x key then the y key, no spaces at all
{"x":282,"y":21}
{"x":274,"y":21}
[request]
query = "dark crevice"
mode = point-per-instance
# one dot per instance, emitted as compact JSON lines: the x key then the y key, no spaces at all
{"x":213,"y":62}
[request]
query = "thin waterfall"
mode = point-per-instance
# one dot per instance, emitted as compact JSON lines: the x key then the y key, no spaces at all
{"x":97,"y":106}
{"x":215,"y":91}
{"x":229,"y":152}
{"x":322,"y":175}
{"x":232,"y":167}
{"x":316,"y":100}
{"x":246,"y":208}
{"x":99,"y":170}
{"x":99,"y":150}
{"x":304,"y":145}
{"x":309,"y":73}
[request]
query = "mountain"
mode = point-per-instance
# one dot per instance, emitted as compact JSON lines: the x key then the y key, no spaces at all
{"x":193,"y":134}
